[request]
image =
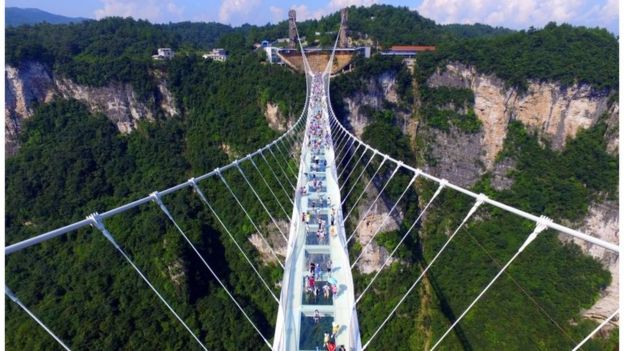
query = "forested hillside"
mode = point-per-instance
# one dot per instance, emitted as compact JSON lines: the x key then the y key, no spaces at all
{"x":538,"y":305}
{"x":561,"y":53}
{"x":73,"y":162}
{"x":113,"y":49}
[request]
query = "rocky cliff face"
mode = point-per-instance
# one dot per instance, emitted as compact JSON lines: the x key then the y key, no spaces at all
{"x":373,"y":94}
{"x":374,"y":218}
{"x":25,"y":86}
{"x":376,"y":92}
{"x":555,"y":112}
{"x":274,"y":117}
{"x":455,"y":156}
{"x":32,"y":83}
{"x":602,"y":222}
{"x":275,"y":240}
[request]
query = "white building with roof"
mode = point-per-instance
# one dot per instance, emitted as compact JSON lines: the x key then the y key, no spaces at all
{"x":164,"y":54}
{"x":218,"y":54}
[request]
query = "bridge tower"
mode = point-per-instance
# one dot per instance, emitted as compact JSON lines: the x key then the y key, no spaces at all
{"x":343,"y":41}
{"x":292,"y":28}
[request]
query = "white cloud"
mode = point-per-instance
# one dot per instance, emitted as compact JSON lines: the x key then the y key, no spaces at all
{"x":174,"y":9}
{"x":606,"y":13}
{"x":338,"y":4}
{"x":138,"y":9}
{"x":152,"y":10}
{"x":277,"y":14}
{"x":305,"y":13}
{"x":240,"y":8}
{"x":509,"y":13}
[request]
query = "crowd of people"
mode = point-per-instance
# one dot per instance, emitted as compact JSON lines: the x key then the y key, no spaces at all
{"x":315,"y":181}
{"x":319,"y":217}
{"x":319,"y":281}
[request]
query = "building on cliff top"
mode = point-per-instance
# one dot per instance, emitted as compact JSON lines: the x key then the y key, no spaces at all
{"x":163,"y":54}
{"x":408,"y":50}
{"x":216,"y":55}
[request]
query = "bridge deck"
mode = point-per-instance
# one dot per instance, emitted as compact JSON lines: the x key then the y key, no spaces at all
{"x":306,"y":312}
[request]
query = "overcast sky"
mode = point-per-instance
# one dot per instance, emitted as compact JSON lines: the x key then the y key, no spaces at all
{"x":516,"y":14}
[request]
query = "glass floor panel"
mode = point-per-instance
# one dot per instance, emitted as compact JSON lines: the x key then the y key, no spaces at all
{"x":312,"y":333}
{"x":313,"y":239}
{"x":309,"y":298}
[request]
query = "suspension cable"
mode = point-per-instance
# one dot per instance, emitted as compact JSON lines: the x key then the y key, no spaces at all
{"x":353,"y":170}
{"x":600,"y":326}
{"x":18,"y":302}
{"x":277,"y":178}
{"x":370,"y":207}
{"x":342,"y":145}
{"x":340,"y":155}
{"x":286,"y":176}
{"x":540,"y":227}
{"x":249,"y":217}
{"x":337,"y":133}
{"x":370,"y":241}
{"x":203,"y":198}
{"x":96,"y":222}
{"x":340,"y":135}
{"x":364,"y":191}
{"x":269,"y":187}
{"x":286,"y":156}
{"x":344,"y":199}
{"x":435,"y":195}
{"x":164,"y":209}
{"x":261,"y":202}
{"x":474,"y":208}
{"x":524,"y":291}
{"x":345,"y":166}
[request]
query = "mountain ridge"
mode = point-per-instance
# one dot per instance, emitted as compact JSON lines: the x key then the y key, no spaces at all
{"x":17,"y":16}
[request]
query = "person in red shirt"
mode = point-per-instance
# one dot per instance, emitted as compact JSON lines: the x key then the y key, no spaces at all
{"x":331,"y":346}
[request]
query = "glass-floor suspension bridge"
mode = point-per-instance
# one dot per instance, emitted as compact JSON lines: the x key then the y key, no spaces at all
{"x":317,"y":303}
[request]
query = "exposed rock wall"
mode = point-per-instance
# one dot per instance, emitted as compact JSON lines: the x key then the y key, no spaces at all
{"x":613,"y":133}
{"x":602,"y":222}
{"x":274,"y":238}
{"x":23,"y":87}
{"x":376,"y":91}
{"x":376,"y":219}
{"x":32,"y":83}
{"x":455,"y":156}
{"x":274,"y":117}
{"x":555,"y":112}
{"x":117,"y":101}
{"x":374,"y":94}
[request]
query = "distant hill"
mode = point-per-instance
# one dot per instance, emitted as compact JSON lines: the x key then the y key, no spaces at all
{"x":15,"y":16}
{"x":475,"y":30}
